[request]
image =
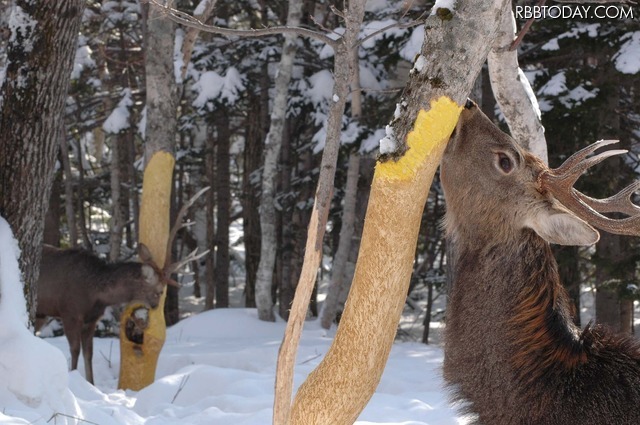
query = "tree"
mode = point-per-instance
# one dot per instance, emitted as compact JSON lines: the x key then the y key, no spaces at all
{"x":140,"y":343}
{"x":32,"y":98}
{"x":273,"y":143}
{"x":339,"y":388}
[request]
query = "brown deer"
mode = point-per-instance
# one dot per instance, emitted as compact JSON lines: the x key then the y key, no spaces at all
{"x":512,"y":352}
{"x":77,"y":286}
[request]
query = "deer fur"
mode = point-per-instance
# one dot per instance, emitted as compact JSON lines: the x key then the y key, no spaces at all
{"x":77,"y":286}
{"x":512,"y":352}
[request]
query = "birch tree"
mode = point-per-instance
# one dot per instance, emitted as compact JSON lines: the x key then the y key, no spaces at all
{"x":273,"y":143}
{"x":40,"y":56}
{"x":456,"y":45}
{"x":513,"y":91}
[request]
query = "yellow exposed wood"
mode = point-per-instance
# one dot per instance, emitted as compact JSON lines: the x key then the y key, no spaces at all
{"x":138,"y":361}
{"x":338,"y":389}
{"x":429,"y":129}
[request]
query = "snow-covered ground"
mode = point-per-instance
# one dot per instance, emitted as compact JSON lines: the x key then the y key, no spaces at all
{"x":218,"y":368}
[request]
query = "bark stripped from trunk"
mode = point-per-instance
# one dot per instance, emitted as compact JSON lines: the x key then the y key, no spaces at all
{"x":142,"y":332}
{"x":456,"y":45}
{"x":139,"y":354}
{"x":343,"y":75}
{"x":272,"y":152}
{"x":40,"y":56}
{"x":513,"y":91}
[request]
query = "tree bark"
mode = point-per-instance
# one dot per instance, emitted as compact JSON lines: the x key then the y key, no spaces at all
{"x":139,"y":355}
{"x":223,"y":201}
{"x":68,"y":194}
{"x":272,"y":151}
{"x":338,"y":270}
{"x":341,"y":257}
{"x":343,"y":76}
{"x":513,"y":91}
{"x":39,"y":61}
{"x":337,"y":391}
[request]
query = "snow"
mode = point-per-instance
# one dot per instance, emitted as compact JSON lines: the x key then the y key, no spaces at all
{"x":556,"y":85}
{"x":443,"y":4}
{"x":33,"y":374}
{"x":388,"y":144}
{"x":420,"y":63}
{"x":551,"y":45}
{"x":21,"y":25}
{"x":216,"y":367}
{"x":83,"y":59}
{"x":373,"y":26}
{"x":118,"y":120}
{"x":409,"y":51}
{"x":320,"y":87}
{"x":627,"y":60}
{"x":529,"y":92}
{"x":211,"y":86}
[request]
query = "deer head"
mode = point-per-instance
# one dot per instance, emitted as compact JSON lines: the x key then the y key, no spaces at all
{"x":495,"y":189}
{"x":150,"y":267}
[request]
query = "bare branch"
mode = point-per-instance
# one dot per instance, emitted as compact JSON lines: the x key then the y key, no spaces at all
{"x":418,"y":21}
{"x":189,"y":21}
{"x":524,"y":30}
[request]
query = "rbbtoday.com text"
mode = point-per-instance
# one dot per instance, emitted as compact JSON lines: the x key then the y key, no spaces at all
{"x":574,"y":12}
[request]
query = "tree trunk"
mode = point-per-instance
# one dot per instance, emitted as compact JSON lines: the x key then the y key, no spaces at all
{"x":337,"y":391}
{"x":210,"y":261}
{"x":341,"y":257}
{"x":513,"y":91}
{"x":140,"y":351}
{"x":39,"y":61}
{"x":115,"y":240}
{"x":69,"y":210}
{"x":252,"y":158}
{"x":272,"y":152}
{"x":51,"y":235}
{"x":223,"y":202}
{"x":337,"y":283}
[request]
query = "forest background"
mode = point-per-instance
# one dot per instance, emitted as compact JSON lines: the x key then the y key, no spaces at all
{"x":584,"y":73}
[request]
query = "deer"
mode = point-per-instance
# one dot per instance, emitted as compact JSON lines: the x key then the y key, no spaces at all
{"x":77,"y":286}
{"x":512,"y":354}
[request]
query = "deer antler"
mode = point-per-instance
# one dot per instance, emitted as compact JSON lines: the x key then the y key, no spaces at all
{"x":169,"y":267}
{"x":560,"y":181}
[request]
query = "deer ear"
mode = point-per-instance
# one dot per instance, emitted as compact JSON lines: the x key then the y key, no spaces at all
{"x":144,"y":253}
{"x":149,"y":274}
{"x":560,"y":226}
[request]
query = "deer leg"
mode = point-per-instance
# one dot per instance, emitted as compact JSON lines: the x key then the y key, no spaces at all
{"x":72,"y":330}
{"x":88,"y":330}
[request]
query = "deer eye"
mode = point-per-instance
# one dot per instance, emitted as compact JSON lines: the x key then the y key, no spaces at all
{"x":504,"y":163}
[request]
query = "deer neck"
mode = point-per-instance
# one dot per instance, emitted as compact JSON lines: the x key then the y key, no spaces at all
{"x":118,"y":283}
{"x":508,"y":311}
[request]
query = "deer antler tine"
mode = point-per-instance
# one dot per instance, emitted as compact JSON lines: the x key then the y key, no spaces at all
{"x":191,"y":257}
{"x":179,"y":225}
{"x":582,"y":154}
{"x":560,"y":182}
{"x":620,"y":202}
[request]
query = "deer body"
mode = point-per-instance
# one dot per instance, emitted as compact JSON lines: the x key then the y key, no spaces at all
{"x":77,"y":286}
{"x":512,"y":352}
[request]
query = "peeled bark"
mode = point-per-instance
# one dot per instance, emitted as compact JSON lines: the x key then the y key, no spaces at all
{"x":272,"y":151}
{"x":140,"y":351}
{"x":513,"y":91}
{"x":32,"y":97}
{"x":337,"y":391}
